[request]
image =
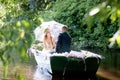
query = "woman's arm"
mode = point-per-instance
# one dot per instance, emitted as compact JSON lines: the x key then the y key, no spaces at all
{"x":44,"y":44}
{"x":53,"y":42}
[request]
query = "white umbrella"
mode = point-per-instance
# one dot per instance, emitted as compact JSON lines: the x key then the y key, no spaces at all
{"x":54,"y":27}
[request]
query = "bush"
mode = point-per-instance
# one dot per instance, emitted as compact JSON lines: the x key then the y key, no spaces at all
{"x":72,"y":14}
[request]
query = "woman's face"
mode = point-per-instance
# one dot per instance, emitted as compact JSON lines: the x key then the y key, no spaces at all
{"x":48,"y":34}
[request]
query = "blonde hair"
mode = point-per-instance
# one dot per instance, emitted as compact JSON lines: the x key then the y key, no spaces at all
{"x":46,"y":31}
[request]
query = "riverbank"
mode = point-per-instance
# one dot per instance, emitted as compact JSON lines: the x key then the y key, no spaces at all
{"x":18,"y":72}
{"x":109,"y":74}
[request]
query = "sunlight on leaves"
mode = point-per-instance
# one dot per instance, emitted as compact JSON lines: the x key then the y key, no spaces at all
{"x":41,"y":19}
{"x":113,"y":17}
{"x":94,"y":11}
{"x":1,"y":23}
{"x":118,"y":12}
{"x":118,"y":40}
{"x":110,"y":39}
{"x":18,"y":23}
{"x":2,"y":45}
{"x":2,"y":10}
{"x":25,"y":23}
{"x":23,"y":54}
{"x":22,"y":33}
{"x":114,"y":39}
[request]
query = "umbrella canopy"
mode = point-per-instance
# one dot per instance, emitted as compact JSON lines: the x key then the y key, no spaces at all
{"x":54,"y":27}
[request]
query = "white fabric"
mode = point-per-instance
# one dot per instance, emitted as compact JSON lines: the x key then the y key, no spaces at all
{"x":43,"y":60}
{"x":55,"y":29}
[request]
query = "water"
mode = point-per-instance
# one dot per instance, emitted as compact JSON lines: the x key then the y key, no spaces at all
{"x":41,"y":74}
{"x":111,"y":61}
{"x":109,"y":68}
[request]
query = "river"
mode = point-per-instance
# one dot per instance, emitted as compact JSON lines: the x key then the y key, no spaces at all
{"x":109,"y":68}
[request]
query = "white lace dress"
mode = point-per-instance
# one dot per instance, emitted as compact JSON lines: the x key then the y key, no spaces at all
{"x":43,"y":60}
{"x":49,"y":48}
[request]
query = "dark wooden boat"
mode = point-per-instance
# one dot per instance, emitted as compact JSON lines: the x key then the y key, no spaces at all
{"x":74,"y":67}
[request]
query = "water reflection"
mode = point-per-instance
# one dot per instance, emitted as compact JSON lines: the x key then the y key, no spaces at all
{"x":42,"y":74}
{"x":110,"y":66}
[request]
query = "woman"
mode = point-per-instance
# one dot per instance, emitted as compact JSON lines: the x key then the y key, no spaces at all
{"x":48,"y":41}
{"x":43,"y":59}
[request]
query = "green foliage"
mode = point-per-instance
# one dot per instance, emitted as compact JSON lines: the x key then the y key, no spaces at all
{"x":14,"y":40}
{"x":5,"y":68}
{"x":20,"y":77}
{"x":36,"y":5}
{"x":17,"y":23}
{"x":18,"y":19}
{"x":16,"y":26}
{"x":108,"y":14}
{"x":74,"y":13}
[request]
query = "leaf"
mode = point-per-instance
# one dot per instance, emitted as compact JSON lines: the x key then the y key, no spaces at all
{"x":18,"y":23}
{"x":113,"y":17}
{"x":118,"y":40}
{"x":25,"y":23}
{"x":118,"y":13}
{"x":110,"y":39}
{"x":22,"y":33}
